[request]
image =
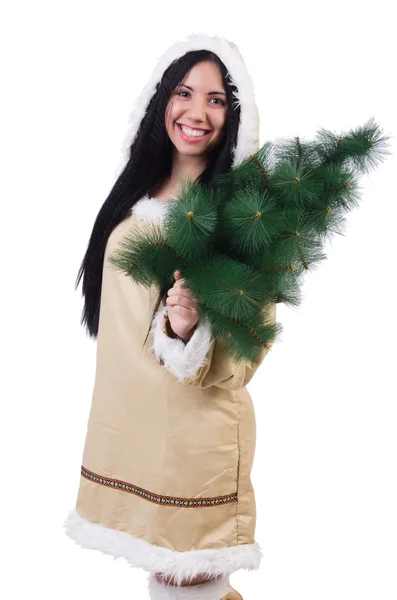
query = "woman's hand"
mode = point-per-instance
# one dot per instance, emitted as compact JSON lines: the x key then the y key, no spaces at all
{"x":182,"y":309}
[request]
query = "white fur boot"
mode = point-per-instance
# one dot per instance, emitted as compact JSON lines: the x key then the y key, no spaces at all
{"x":215,"y":589}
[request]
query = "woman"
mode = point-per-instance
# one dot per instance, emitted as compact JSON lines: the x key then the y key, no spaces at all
{"x":165,"y":476}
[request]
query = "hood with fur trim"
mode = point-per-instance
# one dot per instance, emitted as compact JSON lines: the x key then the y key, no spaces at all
{"x":248,"y":133}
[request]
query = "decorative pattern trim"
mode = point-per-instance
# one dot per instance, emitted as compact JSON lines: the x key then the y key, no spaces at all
{"x":119,"y":484}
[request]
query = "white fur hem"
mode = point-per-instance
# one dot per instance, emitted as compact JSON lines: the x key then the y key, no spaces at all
{"x":155,"y":559}
{"x":184,"y":360}
{"x":214,"y":589}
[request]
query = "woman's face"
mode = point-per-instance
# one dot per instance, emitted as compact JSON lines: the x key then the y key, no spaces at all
{"x":197,"y":106}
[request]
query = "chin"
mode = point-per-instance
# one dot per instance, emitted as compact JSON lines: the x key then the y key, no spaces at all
{"x":193,"y":151}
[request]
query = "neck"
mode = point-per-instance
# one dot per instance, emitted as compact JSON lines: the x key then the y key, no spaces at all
{"x":183,"y":168}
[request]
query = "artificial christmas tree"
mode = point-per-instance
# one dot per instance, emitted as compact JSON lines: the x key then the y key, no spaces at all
{"x":245,"y":242}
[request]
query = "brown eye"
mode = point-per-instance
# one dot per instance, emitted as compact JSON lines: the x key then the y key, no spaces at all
{"x":220,"y":100}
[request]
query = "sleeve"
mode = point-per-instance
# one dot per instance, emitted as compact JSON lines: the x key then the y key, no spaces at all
{"x":202,"y":361}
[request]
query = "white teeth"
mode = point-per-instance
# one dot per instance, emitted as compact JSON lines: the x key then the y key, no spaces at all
{"x":192,"y":132}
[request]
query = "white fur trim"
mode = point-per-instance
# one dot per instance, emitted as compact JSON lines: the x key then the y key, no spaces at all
{"x":183,"y":359}
{"x":155,"y":559}
{"x":151,"y":209}
{"x":210,"y":590}
{"x":248,"y":133}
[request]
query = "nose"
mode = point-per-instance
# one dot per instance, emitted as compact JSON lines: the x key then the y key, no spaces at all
{"x":197,"y":111}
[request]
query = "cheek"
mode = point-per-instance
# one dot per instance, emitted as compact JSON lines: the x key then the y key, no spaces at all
{"x":171,"y":114}
{"x":221,"y":121}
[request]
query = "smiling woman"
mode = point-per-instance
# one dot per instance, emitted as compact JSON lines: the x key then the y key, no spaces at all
{"x":165,"y":473}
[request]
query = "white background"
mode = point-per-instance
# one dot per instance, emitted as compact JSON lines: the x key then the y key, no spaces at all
{"x":325,"y":464}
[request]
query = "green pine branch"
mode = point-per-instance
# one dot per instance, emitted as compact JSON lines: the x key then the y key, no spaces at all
{"x":247,"y":242}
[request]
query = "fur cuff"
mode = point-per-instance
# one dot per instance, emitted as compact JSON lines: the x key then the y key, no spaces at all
{"x":215,"y":589}
{"x":184,"y":360}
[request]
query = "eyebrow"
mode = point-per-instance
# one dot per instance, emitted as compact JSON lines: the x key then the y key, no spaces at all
{"x":190,"y":88}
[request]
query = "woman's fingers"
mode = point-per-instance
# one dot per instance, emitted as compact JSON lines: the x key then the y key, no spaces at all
{"x":181,"y":293}
{"x":178,"y":290}
{"x":188,"y":315}
{"x":179,"y":300}
{"x":184,"y":299}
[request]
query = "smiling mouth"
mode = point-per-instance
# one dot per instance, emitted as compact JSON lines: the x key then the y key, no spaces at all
{"x":193,"y":138}
{"x":194,"y":128}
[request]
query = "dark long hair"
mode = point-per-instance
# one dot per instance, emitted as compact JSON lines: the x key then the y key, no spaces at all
{"x":150,"y":161}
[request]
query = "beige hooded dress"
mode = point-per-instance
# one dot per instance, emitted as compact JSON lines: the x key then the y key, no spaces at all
{"x":165,"y":475}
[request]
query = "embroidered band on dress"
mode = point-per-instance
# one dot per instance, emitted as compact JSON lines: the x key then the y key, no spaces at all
{"x":118,"y":484}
